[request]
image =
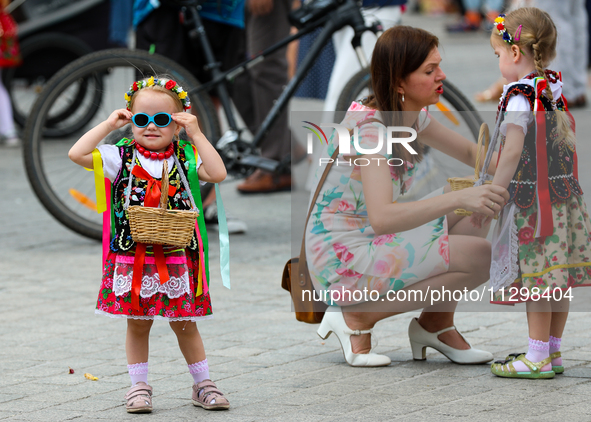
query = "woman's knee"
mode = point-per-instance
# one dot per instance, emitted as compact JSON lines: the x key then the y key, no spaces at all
{"x":469,"y":254}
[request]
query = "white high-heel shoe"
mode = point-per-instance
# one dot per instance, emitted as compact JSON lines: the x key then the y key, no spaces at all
{"x":420,"y":339}
{"x":333,"y":322}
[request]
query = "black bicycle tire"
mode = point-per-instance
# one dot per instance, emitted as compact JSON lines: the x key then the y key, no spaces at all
{"x":451,"y":93}
{"x":96,"y":62}
{"x":71,"y":45}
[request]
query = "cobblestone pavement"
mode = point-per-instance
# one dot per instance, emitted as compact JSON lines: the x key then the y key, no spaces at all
{"x":270,"y":367}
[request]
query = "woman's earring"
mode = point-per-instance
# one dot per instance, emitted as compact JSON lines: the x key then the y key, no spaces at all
{"x":402,"y":97}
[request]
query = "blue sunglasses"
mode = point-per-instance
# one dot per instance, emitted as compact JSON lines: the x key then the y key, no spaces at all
{"x":159,"y":119}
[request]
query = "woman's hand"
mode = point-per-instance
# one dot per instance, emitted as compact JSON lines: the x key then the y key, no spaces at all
{"x":119,"y":118}
{"x":189,"y":122}
{"x":487,"y":200}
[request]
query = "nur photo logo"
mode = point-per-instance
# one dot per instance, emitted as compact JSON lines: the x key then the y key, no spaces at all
{"x":387,"y":136}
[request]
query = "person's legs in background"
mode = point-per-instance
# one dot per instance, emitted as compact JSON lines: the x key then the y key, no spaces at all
{"x":267,"y":81}
{"x":472,"y":20}
{"x":7,"y":129}
{"x":570,"y":18}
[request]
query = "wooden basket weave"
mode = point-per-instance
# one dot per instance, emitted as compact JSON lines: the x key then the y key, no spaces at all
{"x":459,"y":183}
{"x":160,"y":225}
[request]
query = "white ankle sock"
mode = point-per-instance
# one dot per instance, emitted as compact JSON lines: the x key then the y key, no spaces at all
{"x":555,"y":347}
{"x":138,"y":372}
{"x":199,"y":371}
{"x":538,"y":350}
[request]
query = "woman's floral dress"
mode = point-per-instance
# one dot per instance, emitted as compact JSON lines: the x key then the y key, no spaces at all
{"x":343,"y":251}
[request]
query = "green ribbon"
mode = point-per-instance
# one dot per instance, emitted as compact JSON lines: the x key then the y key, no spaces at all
{"x":196,"y":191}
{"x":224,"y":239}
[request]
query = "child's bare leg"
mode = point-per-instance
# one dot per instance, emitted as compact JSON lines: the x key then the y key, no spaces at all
{"x":189,"y":340}
{"x":539,"y":318}
{"x":205,"y":393}
{"x":192,"y":349}
{"x":559,"y":317}
{"x":137,"y":340}
{"x":137,"y":349}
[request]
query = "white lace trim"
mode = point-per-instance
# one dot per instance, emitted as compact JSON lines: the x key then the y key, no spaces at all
{"x":173,"y":288}
{"x":504,"y":268}
{"x":149,"y":317}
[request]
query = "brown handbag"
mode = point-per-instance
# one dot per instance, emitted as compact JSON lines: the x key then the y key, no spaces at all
{"x":309,"y":311}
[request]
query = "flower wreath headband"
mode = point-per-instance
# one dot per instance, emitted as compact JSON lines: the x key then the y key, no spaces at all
{"x":165,"y":83}
{"x":500,"y":25}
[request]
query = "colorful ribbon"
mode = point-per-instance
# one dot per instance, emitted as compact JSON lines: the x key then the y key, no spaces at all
{"x":224,"y":239}
{"x":191,"y":154}
{"x":544,"y":225}
{"x":102,"y":187}
{"x":99,"y":181}
{"x":203,"y":271}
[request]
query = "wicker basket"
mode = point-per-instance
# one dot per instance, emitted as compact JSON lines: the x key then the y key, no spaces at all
{"x":160,"y":225}
{"x":459,"y":183}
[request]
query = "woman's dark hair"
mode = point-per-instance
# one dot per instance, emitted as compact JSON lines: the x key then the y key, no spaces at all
{"x":398,"y":52}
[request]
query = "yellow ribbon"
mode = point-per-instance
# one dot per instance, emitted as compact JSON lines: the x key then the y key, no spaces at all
{"x":99,"y":181}
{"x":200,"y":282}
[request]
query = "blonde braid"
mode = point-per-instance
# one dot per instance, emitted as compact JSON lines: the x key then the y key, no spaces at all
{"x":539,"y":63}
{"x":562,"y":120}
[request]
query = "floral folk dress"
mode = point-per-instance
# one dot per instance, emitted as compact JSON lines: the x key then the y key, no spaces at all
{"x":178,"y":298}
{"x":343,"y":251}
{"x":543,"y":264}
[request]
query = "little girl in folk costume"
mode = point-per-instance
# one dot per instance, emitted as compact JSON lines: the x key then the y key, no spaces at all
{"x":541,"y":242}
{"x":146,"y":282}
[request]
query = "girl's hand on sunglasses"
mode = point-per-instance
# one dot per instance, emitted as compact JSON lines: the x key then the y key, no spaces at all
{"x":119,"y":118}
{"x":189,"y":122}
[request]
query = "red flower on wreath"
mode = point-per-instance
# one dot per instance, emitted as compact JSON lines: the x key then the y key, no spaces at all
{"x":135,"y":87}
{"x":500,"y":26}
{"x":526,"y":235}
{"x":170,"y":84}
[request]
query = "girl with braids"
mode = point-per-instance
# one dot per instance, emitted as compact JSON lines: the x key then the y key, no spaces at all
{"x":541,"y":242}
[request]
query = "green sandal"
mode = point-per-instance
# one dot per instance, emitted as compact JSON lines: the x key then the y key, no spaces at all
{"x":505,"y":368}
{"x":558,"y":369}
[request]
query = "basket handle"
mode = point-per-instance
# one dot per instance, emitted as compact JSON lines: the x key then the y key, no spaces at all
{"x":483,"y":134}
{"x":164,"y":186}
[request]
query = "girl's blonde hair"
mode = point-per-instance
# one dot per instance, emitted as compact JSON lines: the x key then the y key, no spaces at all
{"x":538,"y":39}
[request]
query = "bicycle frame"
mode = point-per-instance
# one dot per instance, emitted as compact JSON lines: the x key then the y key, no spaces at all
{"x":346,"y":14}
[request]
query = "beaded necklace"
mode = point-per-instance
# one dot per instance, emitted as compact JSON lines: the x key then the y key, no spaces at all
{"x":155,"y":155}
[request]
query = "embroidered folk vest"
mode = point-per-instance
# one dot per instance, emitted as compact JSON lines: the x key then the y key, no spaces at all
{"x":561,"y":181}
{"x":121,"y":240}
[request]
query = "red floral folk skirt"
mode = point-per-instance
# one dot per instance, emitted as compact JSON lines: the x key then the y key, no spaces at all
{"x":174,"y":300}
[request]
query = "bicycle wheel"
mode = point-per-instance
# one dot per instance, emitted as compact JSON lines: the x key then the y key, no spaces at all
{"x":454,"y":111}
{"x":65,"y":189}
{"x":43,"y":56}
